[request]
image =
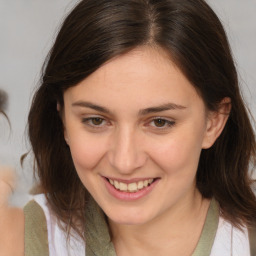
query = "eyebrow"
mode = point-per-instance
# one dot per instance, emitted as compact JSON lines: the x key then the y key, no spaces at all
{"x":163,"y":107}
{"x":160,"y":108}
{"x":87,"y":104}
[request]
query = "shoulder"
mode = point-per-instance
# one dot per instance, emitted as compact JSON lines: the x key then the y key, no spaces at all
{"x":43,"y":231}
{"x":36,"y":232}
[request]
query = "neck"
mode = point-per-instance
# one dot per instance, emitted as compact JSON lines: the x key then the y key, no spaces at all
{"x":166,"y":234}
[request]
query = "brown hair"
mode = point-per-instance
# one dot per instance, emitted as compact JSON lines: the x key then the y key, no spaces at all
{"x":96,"y":31}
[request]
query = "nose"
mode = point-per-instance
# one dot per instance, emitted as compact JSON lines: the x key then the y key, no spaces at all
{"x":126,"y":152}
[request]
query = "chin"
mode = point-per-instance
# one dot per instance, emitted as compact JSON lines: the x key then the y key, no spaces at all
{"x":129,"y":218}
{"x":128,"y":222}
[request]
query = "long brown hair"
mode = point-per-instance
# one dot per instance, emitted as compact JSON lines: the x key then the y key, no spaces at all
{"x":96,"y":31}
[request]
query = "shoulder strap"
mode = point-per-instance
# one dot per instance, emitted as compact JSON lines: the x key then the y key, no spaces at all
{"x":97,"y":237}
{"x":208,"y":233}
{"x":252,"y":239}
{"x":36,"y":238}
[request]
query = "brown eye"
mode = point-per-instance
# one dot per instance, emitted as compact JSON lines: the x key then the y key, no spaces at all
{"x":159,"y":122}
{"x":97,"y":121}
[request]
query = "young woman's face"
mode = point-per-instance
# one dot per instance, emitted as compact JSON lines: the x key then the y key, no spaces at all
{"x":135,"y":129}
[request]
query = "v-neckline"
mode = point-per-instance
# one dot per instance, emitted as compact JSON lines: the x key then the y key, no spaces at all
{"x":98,"y":240}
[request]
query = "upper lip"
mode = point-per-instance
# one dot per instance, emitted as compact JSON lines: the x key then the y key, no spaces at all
{"x":127,"y":181}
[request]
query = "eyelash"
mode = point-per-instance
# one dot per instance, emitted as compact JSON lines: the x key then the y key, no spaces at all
{"x":88,"y":121}
{"x":167,"y":123}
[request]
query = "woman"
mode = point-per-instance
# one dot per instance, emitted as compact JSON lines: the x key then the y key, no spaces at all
{"x":11,"y":219}
{"x":141,"y":139}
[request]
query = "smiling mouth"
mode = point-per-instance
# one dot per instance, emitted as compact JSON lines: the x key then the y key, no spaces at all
{"x":132,"y":187}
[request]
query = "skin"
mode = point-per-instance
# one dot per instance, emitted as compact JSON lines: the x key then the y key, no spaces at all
{"x":11,"y":218}
{"x":126,"y":142}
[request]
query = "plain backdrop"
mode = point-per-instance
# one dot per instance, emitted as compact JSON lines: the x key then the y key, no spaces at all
{"x":27,"y":31}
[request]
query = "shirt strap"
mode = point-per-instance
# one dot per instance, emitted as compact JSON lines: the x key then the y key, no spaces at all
{"x":208,"y":234}
{"x":36,"y":237}
{"x":97,"y":237}
{"x":252,"y":239}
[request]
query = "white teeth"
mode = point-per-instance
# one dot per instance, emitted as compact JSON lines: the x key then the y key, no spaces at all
{"x":145,"y":183}
{"x":116,"y":184}
{"x":140,"y":184}
{"x":131,"y":187}
{"x":122,"y":186}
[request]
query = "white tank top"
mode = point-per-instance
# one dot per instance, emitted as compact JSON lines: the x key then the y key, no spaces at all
{"x":57,"y":238}
{"x":229,"y":240}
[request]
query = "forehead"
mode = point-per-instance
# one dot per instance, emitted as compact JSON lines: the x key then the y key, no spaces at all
{"x":142,"y":76}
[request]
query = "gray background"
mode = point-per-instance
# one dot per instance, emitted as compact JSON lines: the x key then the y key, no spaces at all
{"x":27,"y":30}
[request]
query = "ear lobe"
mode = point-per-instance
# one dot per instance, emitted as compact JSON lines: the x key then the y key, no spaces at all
{"x":63,"y":122}
{"x":216,"y":123}
{"x":58,"y":106}
{"x":66,"y":139}
{"x":65,"y":134}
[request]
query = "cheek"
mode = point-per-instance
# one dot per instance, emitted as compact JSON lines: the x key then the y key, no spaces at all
{"x":179,"y":152}
{"x":86,"y":151}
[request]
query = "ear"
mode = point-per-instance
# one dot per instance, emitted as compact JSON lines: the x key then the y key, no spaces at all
{"x":62,"y":116}
{"x":58,"y":107}
{"x":216,"y":122}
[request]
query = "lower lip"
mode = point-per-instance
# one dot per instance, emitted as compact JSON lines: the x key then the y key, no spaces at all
{"x":129,"y":196}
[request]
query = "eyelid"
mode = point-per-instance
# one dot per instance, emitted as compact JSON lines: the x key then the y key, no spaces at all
{"x":86,"y":121}
{"x":169,"y":122}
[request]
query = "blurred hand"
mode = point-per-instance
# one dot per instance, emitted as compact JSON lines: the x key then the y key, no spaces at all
{"x":7,"y":185}
{"x":11,"y":219}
